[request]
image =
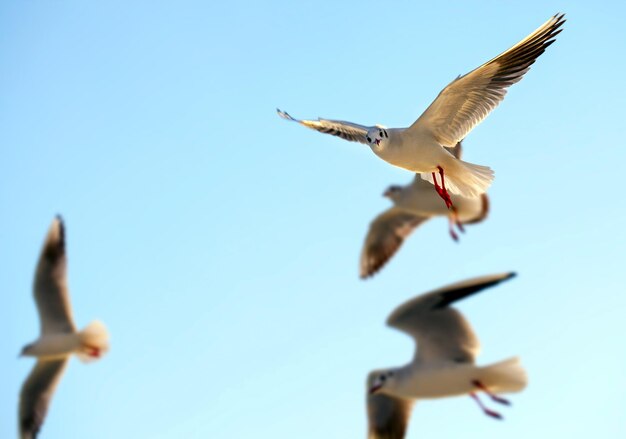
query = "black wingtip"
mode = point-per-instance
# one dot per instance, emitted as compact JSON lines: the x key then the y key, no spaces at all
{"x":463,"y":291}
{"x":54,"y":246}
{"x":59,"y":218}
{"x":508,"y":276}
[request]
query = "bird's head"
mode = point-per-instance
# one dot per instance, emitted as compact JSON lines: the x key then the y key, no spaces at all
{"x":379,"y":380}
{"x":27,"y":350}
{"x":377,"y":137}
{"x":393,"y":192}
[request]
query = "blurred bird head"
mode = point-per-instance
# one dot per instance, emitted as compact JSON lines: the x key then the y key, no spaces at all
{"x":393,"y":192}
{"x":380,"y":379}
{"x":27,"y":350}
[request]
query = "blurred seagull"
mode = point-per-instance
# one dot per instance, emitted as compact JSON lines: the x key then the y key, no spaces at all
{"x":59,"y":337}
{"x":443,"y":364}
{"x":458,"y":108}
{"x":414,"y":204}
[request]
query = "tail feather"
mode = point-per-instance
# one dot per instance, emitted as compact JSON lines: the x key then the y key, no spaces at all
{"x":506,"y":376}
{"x":94,"y":342}
{"x":464,"y":178}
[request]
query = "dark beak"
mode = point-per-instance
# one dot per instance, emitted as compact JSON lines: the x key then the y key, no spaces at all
{"x":375,"y":389}
{"x":377,"y":142}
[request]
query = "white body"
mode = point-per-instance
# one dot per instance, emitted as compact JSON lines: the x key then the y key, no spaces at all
{"x":420,"y":199}
{"x":88,"y":344}
{"x":457,"y":379}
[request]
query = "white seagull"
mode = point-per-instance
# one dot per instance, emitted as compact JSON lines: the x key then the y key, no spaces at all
{"x":459,"y":107}
{"x":414,"y":204}
{"x":443,"y":364}
{"x":59,"y":337}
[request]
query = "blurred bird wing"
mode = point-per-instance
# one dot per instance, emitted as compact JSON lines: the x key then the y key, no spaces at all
{"x":388,"y":416}
{"x":441,"y":332}
{"x":469,"y":99}
{"x":484,"y":210}
{"x":385,"y":236}
{"x":36,"y":394}
{"x":50,"y":285}
{"x":346,"y":130}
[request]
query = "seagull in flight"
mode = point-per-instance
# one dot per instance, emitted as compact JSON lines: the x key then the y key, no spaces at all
{"x":423,"y":147}
{"x":413,"y":205}
{"x":443,"y":365}
{"x":59,"y":337}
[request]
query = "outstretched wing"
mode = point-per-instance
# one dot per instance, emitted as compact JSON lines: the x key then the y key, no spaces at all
{"x":467,"y":100}
{"x":36,"y":394}
{"x":346,"y":130}
{"x":50,"y":286}
{"x":385,"y":236}
{"x":441,"y":332}
{"x":387,"y":416}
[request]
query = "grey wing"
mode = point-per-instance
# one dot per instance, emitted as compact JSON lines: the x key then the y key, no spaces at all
{"x":50,"y":285}
{"x":36,"y":394}
{"x":467,"y":100}
{"x":385,"y":236}
{"x":387,"y":416}
{"x":441,"y":332}
{"x":346,"y":130}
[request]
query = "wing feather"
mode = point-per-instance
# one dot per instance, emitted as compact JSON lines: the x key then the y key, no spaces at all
{"x":441,"y":332}
{"x":385,"y":236}
{"x":467,"y":100}
{"x":50,"y":285}
{"x":346,"y":130}
{"x":36,"y":395}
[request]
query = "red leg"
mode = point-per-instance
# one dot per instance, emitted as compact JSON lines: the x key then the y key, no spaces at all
{"x":453,"y":234}
{"x":437,"y":188}
{"x":442,"y":191}
{"x":493,"y":396}
{"x":455,"y":219}
{"x":485,"y":410}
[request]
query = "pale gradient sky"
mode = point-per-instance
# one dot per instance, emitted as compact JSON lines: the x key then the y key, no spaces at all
{"x":220,"y":243}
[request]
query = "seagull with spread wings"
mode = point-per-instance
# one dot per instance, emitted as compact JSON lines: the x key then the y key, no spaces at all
{"x":59,"y":337}
{"x":443,"y":365}
{"x":459,"y":107}
{"x":413,"y":205}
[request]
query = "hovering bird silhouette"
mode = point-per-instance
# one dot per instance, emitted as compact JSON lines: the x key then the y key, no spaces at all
{"x":459,"y":107}
{"x":59,"y":337}
{"x":443,"y":364}
{"x":413,"y":205}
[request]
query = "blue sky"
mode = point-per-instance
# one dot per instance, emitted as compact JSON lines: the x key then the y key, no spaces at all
{"x":220,"y":244}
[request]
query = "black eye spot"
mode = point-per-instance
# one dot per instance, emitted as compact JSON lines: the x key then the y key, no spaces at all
{"x":383,"y":377}
{"x":381,"y":134}
{"x":368,"y":139}
{"x":386,"y":135}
